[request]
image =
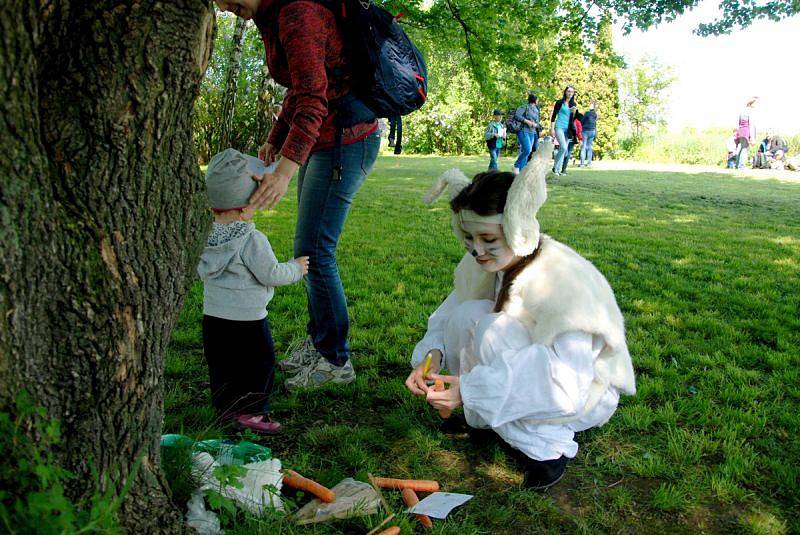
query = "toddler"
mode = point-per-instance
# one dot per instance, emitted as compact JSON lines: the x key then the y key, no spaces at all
{"x":239,"y":273}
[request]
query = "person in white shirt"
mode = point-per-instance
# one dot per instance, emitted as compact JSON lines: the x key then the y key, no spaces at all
{"x":532,"y":335}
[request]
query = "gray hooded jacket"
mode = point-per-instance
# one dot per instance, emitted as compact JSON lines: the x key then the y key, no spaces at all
{"x":239,"y":271}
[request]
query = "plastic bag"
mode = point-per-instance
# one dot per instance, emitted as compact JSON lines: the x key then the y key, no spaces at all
{"x":224,"y":451}
{"x":198,"y":517}
{"x":353,"y":498}
{"x":260,"y":485}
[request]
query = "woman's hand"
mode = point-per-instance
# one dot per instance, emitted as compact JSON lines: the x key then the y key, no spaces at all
{"x":271,"y":190}
{"x":273,"y":185}
{"x":450,"y":398}
{"x":416,"y":380}
{"x":267,"y":153}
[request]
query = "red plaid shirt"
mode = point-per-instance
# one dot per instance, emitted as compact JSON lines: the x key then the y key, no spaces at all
{"x":305,"y":54}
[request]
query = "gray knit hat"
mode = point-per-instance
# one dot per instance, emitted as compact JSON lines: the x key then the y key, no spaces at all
{"x":229,"y":180}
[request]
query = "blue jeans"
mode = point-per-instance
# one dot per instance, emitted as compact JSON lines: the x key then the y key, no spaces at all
{"x":570,"y":146}
{"x":586,"y":146}
{"x":562,"y":149}
{"x":741,"y":157}
{"x":494,"y":154}
{"x":525,"y":140}
{"x":323,"y":203}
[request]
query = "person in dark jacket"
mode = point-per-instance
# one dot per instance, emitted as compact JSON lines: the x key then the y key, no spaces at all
{"x":574,"y":137}
{"x":528,"y":115}
{"x":589,"y":124}
{"x":305,"y":53}
{"x":564,"y":111}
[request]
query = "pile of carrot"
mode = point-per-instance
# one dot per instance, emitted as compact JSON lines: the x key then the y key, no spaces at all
{"x":409,"y":489}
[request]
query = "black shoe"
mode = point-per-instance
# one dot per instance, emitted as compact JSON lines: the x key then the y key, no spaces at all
{"x":540,"y":475}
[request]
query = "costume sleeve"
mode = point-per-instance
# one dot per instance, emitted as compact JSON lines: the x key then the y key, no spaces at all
{"x":434,"y":337}
{"x":535,"y":382}
{"x":302,"y":30}
{"x":257,"y":255}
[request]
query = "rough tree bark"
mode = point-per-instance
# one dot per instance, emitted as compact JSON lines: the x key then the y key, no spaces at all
{"x":102,"y":218}
{"x":231,"y":82}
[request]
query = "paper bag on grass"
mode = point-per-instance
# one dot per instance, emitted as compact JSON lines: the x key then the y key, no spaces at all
{"x":353,"y":498}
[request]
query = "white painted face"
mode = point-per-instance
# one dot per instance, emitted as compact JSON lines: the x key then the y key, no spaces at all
{"x":487,"y":244}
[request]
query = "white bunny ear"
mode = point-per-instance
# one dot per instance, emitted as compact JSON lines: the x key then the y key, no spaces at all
{"x":453,"y":179}
{"x":525,"y":196}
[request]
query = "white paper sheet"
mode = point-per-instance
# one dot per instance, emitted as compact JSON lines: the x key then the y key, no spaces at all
{"x":439,"y":504}
{"x":256,"y":167}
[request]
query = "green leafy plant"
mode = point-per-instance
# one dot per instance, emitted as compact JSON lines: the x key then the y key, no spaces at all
{"x":34,"y":498}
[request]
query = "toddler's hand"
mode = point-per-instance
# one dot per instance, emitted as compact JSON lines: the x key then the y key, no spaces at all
{"x":302,"y":261}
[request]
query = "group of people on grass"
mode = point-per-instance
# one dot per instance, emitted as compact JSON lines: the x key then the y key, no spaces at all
{"x":772,"y":152}
{"x":568,"y":127}
{"x":531,"y":335}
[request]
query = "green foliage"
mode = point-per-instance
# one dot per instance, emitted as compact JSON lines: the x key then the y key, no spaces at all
{"x":705,"y":269}
{"x":33,"y":497}
{"x":689,"y":146}
{"x":644,"y":97}
{"x":603,"y":87}
{"x":248,"y":128}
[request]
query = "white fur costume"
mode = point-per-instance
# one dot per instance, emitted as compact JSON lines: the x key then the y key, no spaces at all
{"x":553,"y":362}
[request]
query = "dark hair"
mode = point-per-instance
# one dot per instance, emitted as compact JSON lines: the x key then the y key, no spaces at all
{"x":486,"y":194}
{"x":564,"y":95}
{"x":511,"y":274}
{"x":531,"y":98}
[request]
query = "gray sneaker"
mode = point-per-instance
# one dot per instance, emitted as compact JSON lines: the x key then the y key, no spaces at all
{"x":301,"y":357}
{"x":321,"y":372}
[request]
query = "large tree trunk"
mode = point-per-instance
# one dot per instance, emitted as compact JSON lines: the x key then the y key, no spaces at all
{"x":231,"y":83}
{"x":102,"y":217}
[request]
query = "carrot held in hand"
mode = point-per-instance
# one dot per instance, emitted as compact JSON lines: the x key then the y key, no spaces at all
{"x":438,"y":386}
{"x":419,"y":485}
{"x":410,"y":499}
{"x":295,"y":481}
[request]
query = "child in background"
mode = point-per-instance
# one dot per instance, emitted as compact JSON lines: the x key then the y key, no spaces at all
{"x":239,"y":272}
{"x":495,"y":138}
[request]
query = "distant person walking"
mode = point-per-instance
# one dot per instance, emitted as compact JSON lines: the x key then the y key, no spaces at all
{"x":589,"y":123}
{"x":528,"y":115}
{"x":495,"y":136}
{"x":563,"y":114}
{"x":746,"y":133}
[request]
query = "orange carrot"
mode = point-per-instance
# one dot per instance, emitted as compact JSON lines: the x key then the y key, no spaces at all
{"x":394,"y":530}
{"x":294,"y":480}
{"x":419,"y":485}
{"x":438,"y":386}
{"x":410,"y":499}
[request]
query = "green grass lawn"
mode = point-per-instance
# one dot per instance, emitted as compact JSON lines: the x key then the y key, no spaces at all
{"x":705,"y":268}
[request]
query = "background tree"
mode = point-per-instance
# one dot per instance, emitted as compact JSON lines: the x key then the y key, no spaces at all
{"x":644,"y":97}
{"x":604,"y":70}
{"x":102,"y":211}
{"x":231,"y":82}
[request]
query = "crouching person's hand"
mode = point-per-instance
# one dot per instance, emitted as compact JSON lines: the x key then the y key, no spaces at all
{"x":416,"y":379}
{"x":446,"y":400}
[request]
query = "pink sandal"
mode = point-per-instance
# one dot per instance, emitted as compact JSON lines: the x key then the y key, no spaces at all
{"x":258,"y":423}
